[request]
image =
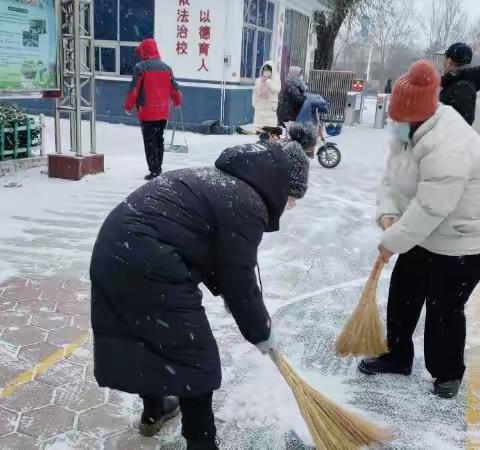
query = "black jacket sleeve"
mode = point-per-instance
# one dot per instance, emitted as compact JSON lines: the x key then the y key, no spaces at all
{"x":462,"y":97}
{"x":235,"y":278}
{"x":296,"y":99}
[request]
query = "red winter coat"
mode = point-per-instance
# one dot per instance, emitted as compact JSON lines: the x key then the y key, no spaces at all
{"x":153,"y":85}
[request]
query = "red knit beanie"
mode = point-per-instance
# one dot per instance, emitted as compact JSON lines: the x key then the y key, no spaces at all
{"x":415,"y":94}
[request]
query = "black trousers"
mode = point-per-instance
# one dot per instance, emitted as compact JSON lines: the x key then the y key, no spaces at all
{"x":154,"y":144}
{"x":445,"y":283}
{"x":198,"y":422}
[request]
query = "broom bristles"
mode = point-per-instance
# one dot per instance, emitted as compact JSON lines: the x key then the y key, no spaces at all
{"x":363,"y":333}
{"x":330,"y":425}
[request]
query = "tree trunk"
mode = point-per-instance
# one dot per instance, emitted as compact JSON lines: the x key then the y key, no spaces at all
{"x":327,"y":32}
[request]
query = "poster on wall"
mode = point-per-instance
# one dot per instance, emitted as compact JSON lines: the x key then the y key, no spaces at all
{"x":28,"y":47}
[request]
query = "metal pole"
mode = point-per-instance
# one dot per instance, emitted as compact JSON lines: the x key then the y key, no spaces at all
{"x":58,"y":140}
{"x":78,"y":74}
{"x":93,"y":117}
{"x":41,"y":120}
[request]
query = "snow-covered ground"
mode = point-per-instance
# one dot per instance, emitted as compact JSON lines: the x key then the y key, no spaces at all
{"x":313,"y":271}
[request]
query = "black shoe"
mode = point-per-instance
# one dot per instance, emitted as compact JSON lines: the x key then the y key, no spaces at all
{"x":383,"y":365}
{"x":447,"y":389}
{"x":150,"y":426}
{"x":152,"y":176}
{"x":209,"y":444}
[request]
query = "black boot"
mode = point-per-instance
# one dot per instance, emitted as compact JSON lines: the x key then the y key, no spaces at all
{"x":382,"y":365}
{"x":154,"y":415}
{"x":447,"y":389}
{"x":209,"y":444}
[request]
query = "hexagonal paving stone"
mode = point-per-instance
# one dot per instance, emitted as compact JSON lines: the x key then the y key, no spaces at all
{"x":51,"y":283}
{"x":13,"y":319}
{"x":128,"y":440}
{"x":65,"y":336}
{"x":46,"y":422}
{"x":82,"y":355}
{"x":83,"y":322}
{"x":32,"y":395}
{"x":73,"y":440}
{"x":6,"y":305}
{"x":103,"y":421}
{"x":33,"y":354}
{"x":80,"y":396}
{"x":124,"y":401}
{"x":24,"y":335}
{"x":51,"y":321}
{"x":10,"y":367}
{"x":21,"y":293}
{"x":63,"y":372}
{"x":60,"y":295}
{"x":8,"y":420}
{"x":15,"y":282}
{"x":77,"y":285}
{"x":17,"y":441}
{"x":75,"y":308}
{"x":32,"y":306}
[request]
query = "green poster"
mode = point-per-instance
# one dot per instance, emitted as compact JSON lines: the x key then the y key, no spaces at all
{"x":28,"y":46}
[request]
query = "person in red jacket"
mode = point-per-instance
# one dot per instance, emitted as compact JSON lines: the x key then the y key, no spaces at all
{"x":152,"y":89}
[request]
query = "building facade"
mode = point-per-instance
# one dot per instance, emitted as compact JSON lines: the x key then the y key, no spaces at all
{"x":215,"y":48}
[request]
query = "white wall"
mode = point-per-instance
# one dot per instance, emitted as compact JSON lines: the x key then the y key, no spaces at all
{"x":226,"y":38}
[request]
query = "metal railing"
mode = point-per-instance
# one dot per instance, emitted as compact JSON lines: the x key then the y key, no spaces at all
{"x":21,"y":141}
{"x":333,"y":87}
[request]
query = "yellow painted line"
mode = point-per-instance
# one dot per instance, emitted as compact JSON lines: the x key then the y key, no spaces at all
{"x":45,"y":364}
{"x":473,"y":377}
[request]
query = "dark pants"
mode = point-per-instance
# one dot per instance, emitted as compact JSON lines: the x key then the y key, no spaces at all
{"x":154,"y":146}
{"x":445,"y":283}
{"x":198,"y":422}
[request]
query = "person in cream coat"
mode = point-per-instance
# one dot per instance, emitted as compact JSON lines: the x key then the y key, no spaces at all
{"x":429,"y":209}
{"x":265,"y":97}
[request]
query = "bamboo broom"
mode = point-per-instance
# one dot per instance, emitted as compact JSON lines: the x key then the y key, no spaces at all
{"x":363,"y":334}
{"x":330,"y":425}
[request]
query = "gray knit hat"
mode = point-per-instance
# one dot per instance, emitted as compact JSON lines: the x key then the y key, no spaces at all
{"x":298,"y":167}
{"x":303,"y":133}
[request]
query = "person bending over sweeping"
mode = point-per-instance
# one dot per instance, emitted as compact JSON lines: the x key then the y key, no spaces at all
{"x":152,"y":90}
{"x":429,"y":207}
{"x":191,"y":226}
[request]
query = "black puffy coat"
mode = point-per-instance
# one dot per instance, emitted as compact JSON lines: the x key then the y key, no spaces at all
{"x":459,"y":90}
{"x":290,"y":100}
{"x":151,"y":333}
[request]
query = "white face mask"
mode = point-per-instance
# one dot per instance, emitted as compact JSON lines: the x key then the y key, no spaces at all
{"x":400,"y":130}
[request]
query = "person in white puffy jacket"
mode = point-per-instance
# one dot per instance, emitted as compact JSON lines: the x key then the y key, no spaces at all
{"x":429,"y":208}
{"x":265,"y":97}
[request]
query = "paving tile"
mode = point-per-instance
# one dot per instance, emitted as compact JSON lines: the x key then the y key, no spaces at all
{"x":8,"y":349}
{"x":24,"y":335}
{"x":80,"y":396}
{"x":82,"y":355}
{"x":73,"y":440}
{"x":125,"y":402}
{"x":46,"y":422}
{"x":15,"y":282}
{"x":63,"y":372}
{"x":65,"y":336}
{"x":35,"y":353}
{"x":21,"y":293}
{"x":77,"y":285}
{"x":17,"y":441}
{"x":33,"y":306}
{"x":83,"y":322}
{"x":49,"y":284}
{"x":50,"y":321}
{"x":74,"y":308}
{"x":10,"y":367}
{"x":7,"y":305}
{"x":129,"y":440}
{"x":8,"y":420}
{"x":103,"y":421}
{"x":60,"y":295}
{"x":32,"y":395}
{"x":13,"y":319}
